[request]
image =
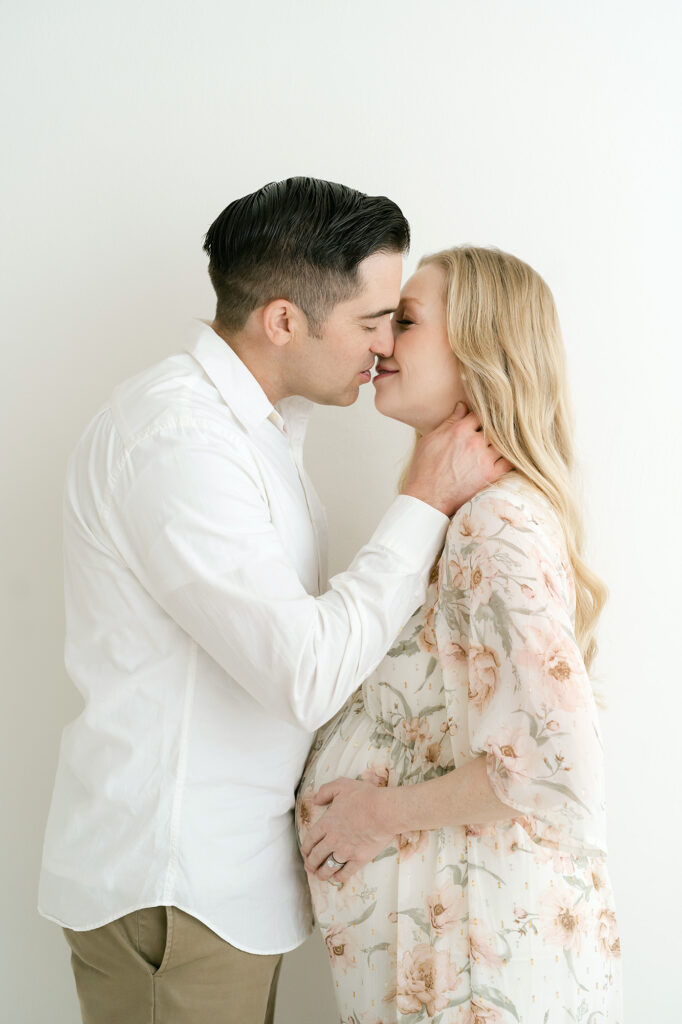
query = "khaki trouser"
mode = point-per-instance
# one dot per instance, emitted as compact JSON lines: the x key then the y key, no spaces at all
{"x":162,"y":966}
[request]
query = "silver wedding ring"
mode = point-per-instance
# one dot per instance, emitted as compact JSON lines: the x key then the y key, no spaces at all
{"x":333,"y":863}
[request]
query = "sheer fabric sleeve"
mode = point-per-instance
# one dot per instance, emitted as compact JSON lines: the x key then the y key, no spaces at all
{"x":513,"y":670}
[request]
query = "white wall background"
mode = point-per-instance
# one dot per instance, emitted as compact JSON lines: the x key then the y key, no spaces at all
{"x":546,"y":128}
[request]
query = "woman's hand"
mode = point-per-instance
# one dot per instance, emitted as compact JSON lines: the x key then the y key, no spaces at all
{"x":354,"y":828}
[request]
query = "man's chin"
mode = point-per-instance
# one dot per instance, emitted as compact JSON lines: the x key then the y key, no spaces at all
{"x":347,"y":397}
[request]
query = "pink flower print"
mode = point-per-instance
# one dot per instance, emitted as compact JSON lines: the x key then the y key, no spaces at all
{"x":482,"y":945}
{"x":452,"y":655}
{"x":508,"y":513}
{"x":342,"y":946}
{"x":483,"y":573}
{"x":607,"y":933}
{"x":484,"y":674}
{"x":457,"y":574}
{"x":307,"y":812}
{"x":599,"y":880}
{"x":484,"y":1013}
{"x":467,"y":530}
{"x":377,"y":773}
{"x":433,"y":755}
{"x":414,"y":730}
{"x":447,"y":906}
{"x":426,"y":978}
{"x":480,"y":831}
{"x":557,"y":661}
{"x":409,"y":843}
{"x":548,"y":574}
{"x":347,"y":898}
{"x":562,"y":918}
{"x":449,"y":726}
{"x":515,"y":750}
{"x":426,"y":640}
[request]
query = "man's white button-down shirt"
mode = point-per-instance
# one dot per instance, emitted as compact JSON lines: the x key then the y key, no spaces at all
{"x":208,"y":646}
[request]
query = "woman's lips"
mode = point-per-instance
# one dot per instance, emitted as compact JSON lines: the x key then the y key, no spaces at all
{"x":380,"y":374}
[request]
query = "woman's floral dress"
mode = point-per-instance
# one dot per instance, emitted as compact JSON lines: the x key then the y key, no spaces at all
{"x":484,"y":924}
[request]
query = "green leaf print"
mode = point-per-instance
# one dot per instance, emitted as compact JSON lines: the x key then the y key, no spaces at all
{"x":459,"y":1000}
{"x":532,"y":722}
{"x":479,"y":867}
{"x":561,"y":789}
{"x":571,"y":966}
{"x":456,"y":619}
{"x":459,"y":877}
{"x":406,"y":706}
{"x":430,"y":710}
{"x":365,"y":914}
{"x":409,"y":646}
{"x":499,"y":615}
{"x":497,"y":998}
{"x":584,"y":888}
{"x":380,"y":947}
{"x":390,"y":851}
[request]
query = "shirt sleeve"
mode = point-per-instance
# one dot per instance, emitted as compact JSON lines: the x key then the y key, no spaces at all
{"x":189,"y":515}
{"x":506,"y":612}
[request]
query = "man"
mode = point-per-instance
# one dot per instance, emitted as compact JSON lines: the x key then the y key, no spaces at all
{"x":201,"y":628}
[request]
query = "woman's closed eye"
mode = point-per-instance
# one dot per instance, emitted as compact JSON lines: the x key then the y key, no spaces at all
{"x":404,"y":323}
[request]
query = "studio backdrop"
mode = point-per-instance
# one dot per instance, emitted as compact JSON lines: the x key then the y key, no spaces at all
{"x":547,"y":129}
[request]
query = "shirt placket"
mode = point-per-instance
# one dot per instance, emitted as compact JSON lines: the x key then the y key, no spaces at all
{"x":295,"y":438}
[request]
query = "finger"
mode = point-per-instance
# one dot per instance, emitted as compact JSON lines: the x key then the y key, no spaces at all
{"x":318,"y":855}
{"x":325,"y":794}
{"x":314,"y":836}
{"x":327,"y":871}
{"x":459,"y":412}
{"x":503,"y":465}
{"x":347,"y":871}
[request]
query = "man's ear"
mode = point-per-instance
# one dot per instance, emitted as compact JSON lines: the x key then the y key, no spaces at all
{"x":282,"y":320}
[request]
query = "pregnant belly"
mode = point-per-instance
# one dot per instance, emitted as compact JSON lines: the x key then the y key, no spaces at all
{"x":350,"y":746}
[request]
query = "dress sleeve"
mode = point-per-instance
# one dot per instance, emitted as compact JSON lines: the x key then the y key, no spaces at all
{"x":513,"y":669}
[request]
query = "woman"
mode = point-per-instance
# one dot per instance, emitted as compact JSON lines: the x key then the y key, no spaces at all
{"x":451,"y":815}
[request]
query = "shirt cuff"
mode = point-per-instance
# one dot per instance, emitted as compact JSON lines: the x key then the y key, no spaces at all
{"x":413,"y":530}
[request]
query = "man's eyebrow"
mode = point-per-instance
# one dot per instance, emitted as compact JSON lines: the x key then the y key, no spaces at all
{"x":375,"y":316}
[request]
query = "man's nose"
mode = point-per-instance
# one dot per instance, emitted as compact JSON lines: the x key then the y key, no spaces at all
{"x":382,"y":342}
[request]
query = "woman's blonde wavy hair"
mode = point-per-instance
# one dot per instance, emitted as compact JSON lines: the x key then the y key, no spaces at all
{"x":503,"y":328}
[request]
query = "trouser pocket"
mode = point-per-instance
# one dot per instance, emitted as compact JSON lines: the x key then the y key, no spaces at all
{"x":153,"y":931}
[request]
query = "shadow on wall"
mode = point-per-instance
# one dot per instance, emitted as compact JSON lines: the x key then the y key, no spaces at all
{"x":305,"y":994}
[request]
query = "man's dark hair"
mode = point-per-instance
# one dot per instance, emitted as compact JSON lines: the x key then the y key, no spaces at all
{"x":302,"y":240}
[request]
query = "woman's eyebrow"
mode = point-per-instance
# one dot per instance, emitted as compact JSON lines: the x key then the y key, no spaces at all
{"x":409,"y":298}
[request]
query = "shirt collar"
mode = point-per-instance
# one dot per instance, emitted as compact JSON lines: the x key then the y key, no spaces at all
{"x":241,"y":391}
